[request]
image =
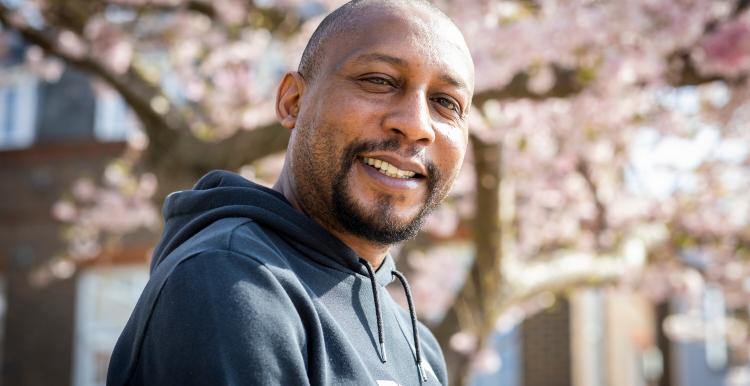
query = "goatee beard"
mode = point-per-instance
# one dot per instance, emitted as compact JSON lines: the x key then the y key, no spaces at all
{"x":380,"y":224}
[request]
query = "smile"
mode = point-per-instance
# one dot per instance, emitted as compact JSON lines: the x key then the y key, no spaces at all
{"x":388,"y":169}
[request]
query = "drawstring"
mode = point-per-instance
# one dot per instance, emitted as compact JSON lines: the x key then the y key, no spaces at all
{"x":378,"y":318}
{"x":412,"y":313}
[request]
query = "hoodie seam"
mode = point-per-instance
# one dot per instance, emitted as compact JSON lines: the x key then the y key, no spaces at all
{"x":233,"y":231}
{"x":273,"y":245}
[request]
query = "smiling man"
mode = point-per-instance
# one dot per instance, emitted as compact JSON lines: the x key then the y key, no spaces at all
{"x":285,"y":286}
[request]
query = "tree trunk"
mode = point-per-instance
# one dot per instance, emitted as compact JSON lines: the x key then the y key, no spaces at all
{"x":474,"y":309}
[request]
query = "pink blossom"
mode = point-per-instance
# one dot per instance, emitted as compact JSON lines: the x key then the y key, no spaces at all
{"x":71,"y":44}
{"x":726,"y":51}
{"x":463,"y":342}
{"x":84,"y":189}
{"x":487,"y":361}
{"x":64,"y":210}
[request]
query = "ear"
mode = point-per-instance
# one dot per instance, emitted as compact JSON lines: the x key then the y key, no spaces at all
{"x":288,"y":98}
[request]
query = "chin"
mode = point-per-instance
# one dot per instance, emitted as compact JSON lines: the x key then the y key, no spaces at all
{"x":384,"y":211}
{"x":378,"y":222}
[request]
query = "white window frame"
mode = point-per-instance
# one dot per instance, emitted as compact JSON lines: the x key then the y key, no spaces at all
{"x":96,"y":332}
{"x":18,"y":115}
{"x":113,"y":120}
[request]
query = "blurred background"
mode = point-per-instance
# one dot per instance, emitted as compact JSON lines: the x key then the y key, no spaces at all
{"x":599,"y":233}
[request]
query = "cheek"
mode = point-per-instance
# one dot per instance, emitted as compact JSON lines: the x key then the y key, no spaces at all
{"x":450,"y":148}
{"x":346,"y":113}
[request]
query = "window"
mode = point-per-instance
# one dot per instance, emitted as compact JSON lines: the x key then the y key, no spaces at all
{"x":106,"y":297}
{"x":113,"y":120}
{"x":18,"y":99}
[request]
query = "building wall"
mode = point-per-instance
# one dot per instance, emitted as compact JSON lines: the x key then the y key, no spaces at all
{"x":39,"y":318}
{"x":546,"y":347}
{"x":48,"y":140}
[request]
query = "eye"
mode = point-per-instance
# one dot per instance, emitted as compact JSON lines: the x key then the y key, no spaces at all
{"x":377,"y":83}
{"x":378,"y":80}
{"x":448,"y":103}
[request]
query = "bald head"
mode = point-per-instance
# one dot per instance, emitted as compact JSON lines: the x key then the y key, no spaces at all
{"x":344,"y":19}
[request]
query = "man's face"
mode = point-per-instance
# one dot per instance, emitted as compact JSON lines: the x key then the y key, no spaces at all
{"x":381,"y":131}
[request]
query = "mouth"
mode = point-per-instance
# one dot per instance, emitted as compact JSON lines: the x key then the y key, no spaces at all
{"x":390,"y":170}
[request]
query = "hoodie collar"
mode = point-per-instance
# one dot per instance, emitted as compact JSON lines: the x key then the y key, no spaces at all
{"x":383,"y":275}
{"x":220,"y":194}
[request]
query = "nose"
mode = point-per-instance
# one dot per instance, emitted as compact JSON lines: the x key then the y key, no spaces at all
{"x":410,"y":119}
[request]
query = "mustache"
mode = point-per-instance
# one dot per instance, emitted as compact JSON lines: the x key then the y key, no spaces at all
{"x":394,"y":145}
{"x":387,"y":145}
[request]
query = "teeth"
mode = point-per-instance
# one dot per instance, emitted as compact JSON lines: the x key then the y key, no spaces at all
{"x":388,"y":169}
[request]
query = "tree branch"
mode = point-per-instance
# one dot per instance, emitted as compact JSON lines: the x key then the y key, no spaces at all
{"x":177,"y":166}
{"x":567,"y":83}
{"x":203,"y":7}
{"x":600,"y":221}
{"x":199,"y":6}
{"x":172,"y":149}
{"x":135,"y":90}
{"x":566,"y":270}
{"x":242,"y":148}
{"x":742,"y":6}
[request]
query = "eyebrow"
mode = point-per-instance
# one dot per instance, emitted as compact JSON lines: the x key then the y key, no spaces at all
{"x":454,"y":82}
{"x":379,"y":57}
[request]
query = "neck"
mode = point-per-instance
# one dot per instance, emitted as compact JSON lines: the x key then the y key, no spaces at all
{"x":374,"y":253}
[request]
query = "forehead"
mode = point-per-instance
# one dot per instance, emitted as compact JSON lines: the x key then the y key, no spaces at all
{"x":420,"y":39}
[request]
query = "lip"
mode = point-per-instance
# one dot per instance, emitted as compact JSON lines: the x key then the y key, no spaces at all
{"x":401,"y":163}
{"x":390,"y":183}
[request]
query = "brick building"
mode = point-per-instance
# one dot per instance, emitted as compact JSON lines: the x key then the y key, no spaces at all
{"x":52,"y":133}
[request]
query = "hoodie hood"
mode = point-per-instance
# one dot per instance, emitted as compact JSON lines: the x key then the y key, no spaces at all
{"x":221,"y":194}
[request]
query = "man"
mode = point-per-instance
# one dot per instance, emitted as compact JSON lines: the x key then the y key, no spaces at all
{"x":285,"y":286}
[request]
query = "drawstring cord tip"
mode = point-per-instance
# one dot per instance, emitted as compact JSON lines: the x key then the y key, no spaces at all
{"x":422,"y":374}
{"x":414,"y":329}
{"x":382,"y":352}
{"x":378,"y":317}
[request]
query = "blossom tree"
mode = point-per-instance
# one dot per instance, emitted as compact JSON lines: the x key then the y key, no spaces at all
{"x":609,"y":142}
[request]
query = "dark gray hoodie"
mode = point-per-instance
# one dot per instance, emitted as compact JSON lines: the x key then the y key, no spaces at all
{"x":247,"y":290}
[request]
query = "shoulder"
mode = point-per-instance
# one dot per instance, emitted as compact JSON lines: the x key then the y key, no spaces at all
{"x":238,"y":235}
{"x":228,"y":290}
{"x":217,"y":267}
{"x":221,"y":316}
{"x":238,"y":240}
{"x":222,"y":287}
{"x":232,"y":258}
{"x":227,"y":304}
